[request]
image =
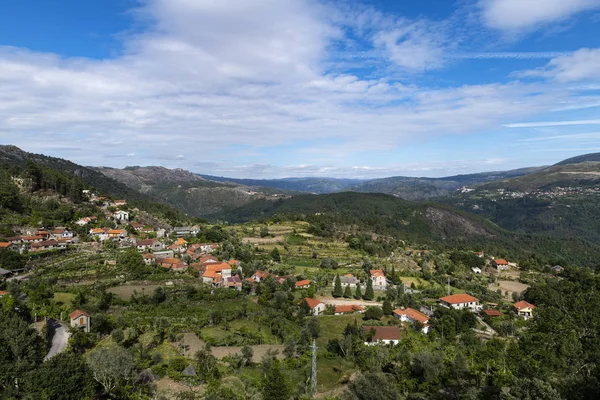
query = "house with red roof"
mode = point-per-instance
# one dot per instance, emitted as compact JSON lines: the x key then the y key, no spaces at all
{"x":316,"y":307}
{"x":460,"y":301}
{"x":80,"y":320}
{"x":492,"y":313}
{"x":381,"y":335}
{"x":9,"y":246}
{"x":149,"y":259}
{"x":3,"y":293}
{"x":259,"y":276}
{"x":378,"y":279}
{"x":412,"y":316}
{"x":348,"y":309}
{"x":304,"y":284}
{"x":500,"y":264}
{"x":216,"y":274}
{"x":174,"y":264}
{"x":524,"y":309}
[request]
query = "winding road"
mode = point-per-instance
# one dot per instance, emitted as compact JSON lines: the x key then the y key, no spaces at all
{"x":59,"y":340}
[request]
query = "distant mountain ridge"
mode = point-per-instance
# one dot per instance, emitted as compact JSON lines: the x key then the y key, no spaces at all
{"x":408,"y":188}
{"x":592,"y":157}
{"x":190,"y":192}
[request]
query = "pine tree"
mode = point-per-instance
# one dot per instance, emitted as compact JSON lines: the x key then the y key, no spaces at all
{"x":358,"y":292}
{"x":347,"y":292}
{"x":337,"y":289}
{"x":387,"y":307}
{"x":369,"y":294}
{"x":393,"y":276}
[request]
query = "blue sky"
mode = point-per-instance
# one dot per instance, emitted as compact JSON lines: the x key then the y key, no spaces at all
{"x":276,"y":88}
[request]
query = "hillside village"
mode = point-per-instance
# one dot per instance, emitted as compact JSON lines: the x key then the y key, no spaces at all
{"x":196,"y":309}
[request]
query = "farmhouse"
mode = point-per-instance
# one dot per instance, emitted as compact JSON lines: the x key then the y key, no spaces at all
{"x":524,"y":309}
{"x":411,"y":316}
{"x":149,"y":244}
{"x":316,"y":307}
{"x":149,"y":259}
{"x":81,"y":320}
{"x":460,"y":301}
{"x":378,"y":278}
{"x":304,"y":284}
{"x":348,"y":280}
{"x":216,"y":274}
{"x":259,"y":276}
{"x":500,"y":264}
{"x":382,"y":335}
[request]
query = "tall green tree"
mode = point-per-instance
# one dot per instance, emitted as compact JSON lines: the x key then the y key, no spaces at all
{"x":369,"y":293}
{"x":275,"y":384}
{"x":358,"y":293}
{"x":387,"y":307}
{"x":347,"y":292}
{"x":337,"y":287}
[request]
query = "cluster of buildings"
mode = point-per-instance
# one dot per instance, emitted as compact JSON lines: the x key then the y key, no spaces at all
{"x":35,"y":240}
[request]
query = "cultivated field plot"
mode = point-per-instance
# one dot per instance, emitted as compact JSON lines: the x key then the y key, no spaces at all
{"x":261,"y":241}
{"x":508,"y":286}
{"x":193,"y":344}
{"x":125,"y":291}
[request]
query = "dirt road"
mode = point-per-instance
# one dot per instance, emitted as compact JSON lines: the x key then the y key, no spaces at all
{"x":348,"y":302}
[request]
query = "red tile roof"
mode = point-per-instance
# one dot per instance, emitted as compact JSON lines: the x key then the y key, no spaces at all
{"x":4,"y":245}
{"x":459,"y":298}
{"x":312,"y":303}
{"x":492,"y":313}
{"x":220,"y":267}
{"x":77,"y":313}
{"x":302,"y":283}
{"x":523,"y":304}
{"x":412,"y":314}
{"x":384,"y":332}
{"x":501,"y":261}
{"x":3,"y":292}
{"x":377,"y":272}
{"x":348,"y":309}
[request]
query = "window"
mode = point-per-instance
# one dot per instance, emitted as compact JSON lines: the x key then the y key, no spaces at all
{"x":81,"y":321}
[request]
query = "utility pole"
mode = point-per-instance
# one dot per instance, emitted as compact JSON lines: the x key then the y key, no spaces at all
{"x":313,"y":379}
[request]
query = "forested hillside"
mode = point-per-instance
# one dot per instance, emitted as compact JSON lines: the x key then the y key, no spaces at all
{"x":69,"y":179}
{"x":432,"y":224}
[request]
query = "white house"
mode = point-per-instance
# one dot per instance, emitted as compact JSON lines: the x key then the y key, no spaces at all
{"x":121,"y":215}
{"x":476,"y":270}
{"x":411,"y":316}
{"x":460,"y":301}
{"x":316,"y":307}
{"x":378,"y":278}
{"x":524,"y":309}
{"x":80,"y":319}
{"x":382,"y":335}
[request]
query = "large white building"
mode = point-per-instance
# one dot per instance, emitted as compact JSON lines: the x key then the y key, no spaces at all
{"x":460,"y":301}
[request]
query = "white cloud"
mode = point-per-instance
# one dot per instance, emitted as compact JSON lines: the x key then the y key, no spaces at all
{"x":212,"y":74}
{"x":520,"y":15}
{"x":554,"y":123}
{"x":581,"y":65}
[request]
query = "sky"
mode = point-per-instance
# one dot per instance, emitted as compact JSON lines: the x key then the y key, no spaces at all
{"x":280,"y":88}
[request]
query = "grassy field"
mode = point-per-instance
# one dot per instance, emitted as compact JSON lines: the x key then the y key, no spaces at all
{"x":332,"y":327}
{"x":64,"y":298}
